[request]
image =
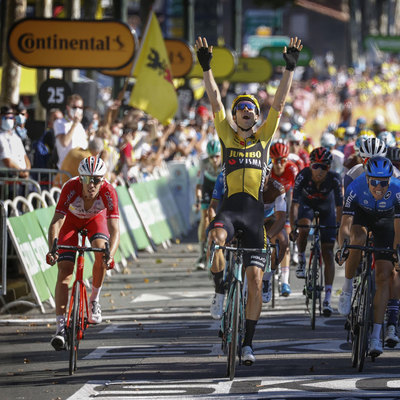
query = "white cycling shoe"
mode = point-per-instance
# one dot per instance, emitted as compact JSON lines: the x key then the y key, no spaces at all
{"x":344,"y":304}
{"x":248,"y":357}
{"x":95,"y":313}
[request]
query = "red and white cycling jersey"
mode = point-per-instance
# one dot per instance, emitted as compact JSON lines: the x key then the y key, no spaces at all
{"x":297,"y":160}
{"x":288,"y":177}
{"x":71,"y":200}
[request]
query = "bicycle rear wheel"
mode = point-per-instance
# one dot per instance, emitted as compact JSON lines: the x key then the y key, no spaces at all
{"x":73,"y":331}
{"x":234,"y":330}
{"x":364,"y":321}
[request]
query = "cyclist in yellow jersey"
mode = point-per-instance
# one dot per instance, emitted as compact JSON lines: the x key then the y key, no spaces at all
{"x":245,"y":158}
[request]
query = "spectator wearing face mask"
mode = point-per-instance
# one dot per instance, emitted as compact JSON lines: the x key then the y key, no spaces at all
{"x":21,"y":116}
{"x":69,"y":131}
{"x":12,"y":151}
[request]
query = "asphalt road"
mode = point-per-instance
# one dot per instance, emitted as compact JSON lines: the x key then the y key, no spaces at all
{"x":158,"y":341}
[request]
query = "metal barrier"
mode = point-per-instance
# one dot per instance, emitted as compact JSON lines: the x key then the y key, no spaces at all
{"x":40,"y":178}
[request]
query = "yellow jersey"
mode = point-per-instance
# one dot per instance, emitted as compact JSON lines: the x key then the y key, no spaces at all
{"x":245,"y":160}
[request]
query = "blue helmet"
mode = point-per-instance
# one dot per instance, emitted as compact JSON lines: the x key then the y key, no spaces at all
{"x":213,"y":147}
{"x":379,"y":167}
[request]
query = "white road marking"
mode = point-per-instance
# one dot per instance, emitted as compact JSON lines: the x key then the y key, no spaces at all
{"x":305,"y":386}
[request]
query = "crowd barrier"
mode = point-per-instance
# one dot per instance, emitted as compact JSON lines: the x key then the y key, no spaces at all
{"x":152,"y":213}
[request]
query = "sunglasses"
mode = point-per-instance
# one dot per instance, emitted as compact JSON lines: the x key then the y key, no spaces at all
{"x":87,"y":179}
{"x":281,"y":160}
{"x":8,"y":117}
{"x":324,"y":167}
{"x":248,"y":104}
{"x":77,"y":107}
{"x":376,"y":182}
{"x":295,"y":143}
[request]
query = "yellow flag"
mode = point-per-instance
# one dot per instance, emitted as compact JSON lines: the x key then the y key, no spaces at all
{"x":154,"y":92}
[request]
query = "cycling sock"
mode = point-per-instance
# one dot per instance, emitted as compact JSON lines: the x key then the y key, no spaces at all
{"x":267,"y":276}
{"x":95,"y":295}
{"x":250,"y":329}
{"x":219,"y":282}
{"x":60,"y":321}
{"x":348,"y":285}
{"x":376,"y":331}
{"x":328,"y":293}
{"x":392,"y":311}
{"x":302,"y":256}
{"x":285,"y":275}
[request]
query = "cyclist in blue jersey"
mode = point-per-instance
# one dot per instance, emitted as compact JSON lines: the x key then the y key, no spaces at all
{"x":372,"y":201}
{"x":317,"y":189}
{"x":209,"y":170}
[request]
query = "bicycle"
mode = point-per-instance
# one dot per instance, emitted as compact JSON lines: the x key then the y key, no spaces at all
{"x":77,"y":322}
{"x":233,"y":319}
{"x":360,"y":319}
{"x":314,"y":283}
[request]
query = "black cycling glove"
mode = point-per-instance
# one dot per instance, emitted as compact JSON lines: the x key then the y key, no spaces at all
{"x":204,"y":57}
{"x":291,"y":57}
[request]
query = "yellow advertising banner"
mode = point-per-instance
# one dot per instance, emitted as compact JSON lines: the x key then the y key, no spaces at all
{"x":57,"y":43}
{"x":223,"y":64}
{"x":181,"y":58}
{"x":251,"y":70}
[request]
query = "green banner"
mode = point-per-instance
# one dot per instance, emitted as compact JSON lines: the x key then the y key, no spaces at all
{"x":275,"y":55}
{"x":132,"y":231}
{"x":20,"y":232}
{"x":151,"y":210}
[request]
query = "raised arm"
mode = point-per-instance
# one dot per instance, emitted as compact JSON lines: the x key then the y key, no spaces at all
{"x":204,"y":55}
{"x":291,"y":55}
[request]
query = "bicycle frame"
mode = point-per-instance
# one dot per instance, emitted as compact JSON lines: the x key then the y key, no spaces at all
{"x":83,"y":301}
{"x":360,"y":319}
{"x":78,"y":304}
{"x":233,"y":319}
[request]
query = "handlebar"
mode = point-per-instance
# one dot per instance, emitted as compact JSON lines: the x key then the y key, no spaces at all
{"x":106,"y":250}
{"x":346,"y":246}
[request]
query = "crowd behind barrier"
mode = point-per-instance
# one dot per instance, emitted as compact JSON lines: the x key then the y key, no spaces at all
{"x":154,"y":167}
{"x":153,"y":212}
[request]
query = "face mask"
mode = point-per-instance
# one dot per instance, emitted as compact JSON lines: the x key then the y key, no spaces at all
{"x":95,"y":124}
{"x":76,"y":112}
{"x":7,"y":124}
{"x":140,"y":125}
{"x":192,"y":115}
{"x":20,"y":119}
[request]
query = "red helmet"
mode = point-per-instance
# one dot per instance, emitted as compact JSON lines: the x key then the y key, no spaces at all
{"x":279,"y":150}
{"x":321,"y":155}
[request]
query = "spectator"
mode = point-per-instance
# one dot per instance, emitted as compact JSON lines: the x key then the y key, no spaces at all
{"x":21,"y":117}
{"x":74,"y":157}
{"x":12,"y":151}
{"x":69,"y":131}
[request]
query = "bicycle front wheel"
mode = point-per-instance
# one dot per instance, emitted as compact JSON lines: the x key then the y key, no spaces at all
{"x":364,"y":321}
{"x":73,"y":331}
{"x":234,"y":330}
{"x":314,"y":289}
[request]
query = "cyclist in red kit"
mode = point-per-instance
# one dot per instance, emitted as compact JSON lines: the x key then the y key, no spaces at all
{"x":87,"y":201}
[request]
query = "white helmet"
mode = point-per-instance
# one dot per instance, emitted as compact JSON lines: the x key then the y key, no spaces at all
{"x":93,"y":166}
{"x":388,"y":138}
{"x":328,"y":140}
{"x":294,"y":136}
{"x":372,"y":147}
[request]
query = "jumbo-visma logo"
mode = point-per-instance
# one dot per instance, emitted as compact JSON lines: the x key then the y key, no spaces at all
{"x":55,"y":43}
